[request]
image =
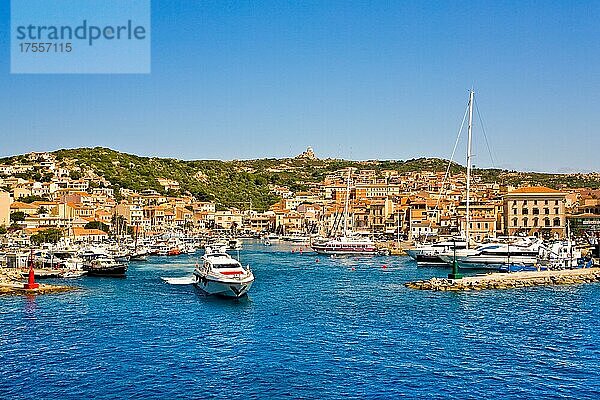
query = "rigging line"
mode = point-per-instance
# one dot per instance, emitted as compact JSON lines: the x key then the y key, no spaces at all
{"x":485,"y":136}
{"x":462,"y":125}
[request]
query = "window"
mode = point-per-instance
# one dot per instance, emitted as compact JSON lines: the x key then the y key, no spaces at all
{"x":535,"y":202}
{"x":556,"y":210}
{"x":536,"y":211}
{"x":545,"y":202}
{"x":514,"y":203}
{"x":556,"y":221}
{"x":546,"y":221}
{"x":524,"y":202}
{"x":514,"y":211}
{"x":486,"y":225}
{"x":535,"y":222}
{"x":546,"y":211}
{"x":515,"y":222}
{"x":525,"y":222}
{"x":479,"y":225}
{"x":524,"y":211}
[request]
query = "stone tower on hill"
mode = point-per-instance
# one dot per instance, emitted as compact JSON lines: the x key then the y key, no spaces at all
{"x":309,"y":154}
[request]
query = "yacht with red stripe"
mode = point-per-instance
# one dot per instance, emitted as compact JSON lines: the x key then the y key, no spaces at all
{"x":222,"y":275}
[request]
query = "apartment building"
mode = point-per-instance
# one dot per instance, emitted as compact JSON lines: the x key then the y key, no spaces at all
{"x":535,"y":210}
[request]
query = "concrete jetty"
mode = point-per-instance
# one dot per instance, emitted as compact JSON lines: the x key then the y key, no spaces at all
{"x":12,"y":282}
{"x":513,"y":280}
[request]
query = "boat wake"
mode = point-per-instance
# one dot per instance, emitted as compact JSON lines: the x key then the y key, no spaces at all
{"x":185,"y":280}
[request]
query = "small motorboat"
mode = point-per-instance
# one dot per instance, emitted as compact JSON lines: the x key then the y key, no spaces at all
{"x":105,"y":266}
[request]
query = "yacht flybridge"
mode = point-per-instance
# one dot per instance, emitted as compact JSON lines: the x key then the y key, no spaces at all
{"x":220,"y":274}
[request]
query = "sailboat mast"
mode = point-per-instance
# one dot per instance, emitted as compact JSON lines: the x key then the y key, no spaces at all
{"x":468,"y":216}
{"x":346,"y":203}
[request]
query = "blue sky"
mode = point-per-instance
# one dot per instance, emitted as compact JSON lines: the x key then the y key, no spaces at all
{"x":353,"y":79}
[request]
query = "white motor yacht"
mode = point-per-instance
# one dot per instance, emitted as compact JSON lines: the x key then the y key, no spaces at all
{"x":220,"y":274}
{"x":431,"y":254}
{"x":497,"y":255}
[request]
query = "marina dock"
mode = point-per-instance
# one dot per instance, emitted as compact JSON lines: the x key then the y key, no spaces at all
{"x":509,"y":280}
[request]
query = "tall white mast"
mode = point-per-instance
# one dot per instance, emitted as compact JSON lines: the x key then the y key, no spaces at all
{"x":346,"y":203}
{"x":468,"y":216}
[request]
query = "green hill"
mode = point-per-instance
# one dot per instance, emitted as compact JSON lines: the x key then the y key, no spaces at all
{"x":229,"y":183}
{"x":239,"y":182}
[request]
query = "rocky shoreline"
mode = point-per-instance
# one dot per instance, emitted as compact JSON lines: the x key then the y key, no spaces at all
{"x":509,"y":280}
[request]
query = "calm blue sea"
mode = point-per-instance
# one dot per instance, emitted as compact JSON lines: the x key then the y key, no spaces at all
{"x":337,"y":328}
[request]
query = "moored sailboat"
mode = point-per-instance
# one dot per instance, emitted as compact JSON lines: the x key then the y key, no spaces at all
{"x":348,"y":243}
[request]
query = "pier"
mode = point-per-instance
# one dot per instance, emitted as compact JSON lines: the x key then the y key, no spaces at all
{"x":12,"y":282}
{"x":513,"y":280}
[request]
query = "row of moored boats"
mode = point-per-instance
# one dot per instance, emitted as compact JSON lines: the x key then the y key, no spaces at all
{"x":504,"y":254}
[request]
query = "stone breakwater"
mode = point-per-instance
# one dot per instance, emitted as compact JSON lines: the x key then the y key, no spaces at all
{"x":509,"y":280}
{"x":11,"y":282}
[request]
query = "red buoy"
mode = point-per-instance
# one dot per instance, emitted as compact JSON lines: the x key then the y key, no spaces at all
{"x":317,"y":260}
{"x":31,"y":279}
{"x":384,"y":266}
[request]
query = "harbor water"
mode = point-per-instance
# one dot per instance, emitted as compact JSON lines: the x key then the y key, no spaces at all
{"x":311,"y":327}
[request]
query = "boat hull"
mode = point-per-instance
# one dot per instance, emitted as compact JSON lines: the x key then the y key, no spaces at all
{"x":496,"y":263}
{"x":347,"y":252}
{"x":231,"y":289}
{"x":117,"y":271}
{"x":429,"y":259}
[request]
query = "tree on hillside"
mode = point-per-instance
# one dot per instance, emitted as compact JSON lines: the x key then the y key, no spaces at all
{"x":75,"y":175}
{"x":17,"y":216}
{"x":30,"y":199}
{"x":51,"y":235}
{"x":97,"y":225}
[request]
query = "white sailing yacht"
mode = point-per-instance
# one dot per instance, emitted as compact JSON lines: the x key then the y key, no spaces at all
{"x":439,"y":253}
{"x":348,"y":243}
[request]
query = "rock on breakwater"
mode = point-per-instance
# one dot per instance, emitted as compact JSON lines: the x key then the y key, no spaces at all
{"x":509,"y":280}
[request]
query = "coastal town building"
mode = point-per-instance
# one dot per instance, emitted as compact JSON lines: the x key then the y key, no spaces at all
{"x":5,"y":202}
{"x":88,"y":235}
{"x":383,"y":203}
{"x":229,"y":219}
{"x":535,"y":210}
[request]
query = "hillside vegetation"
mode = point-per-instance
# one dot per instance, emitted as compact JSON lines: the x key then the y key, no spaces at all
{"x":239,"y":182}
